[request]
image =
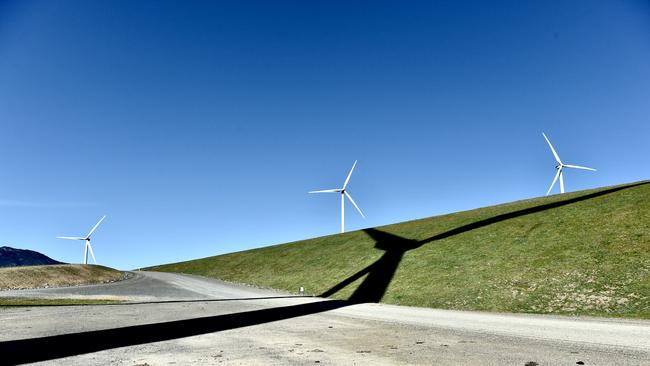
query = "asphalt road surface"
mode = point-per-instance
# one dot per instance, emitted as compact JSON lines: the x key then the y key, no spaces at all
{"x":172,"y":319}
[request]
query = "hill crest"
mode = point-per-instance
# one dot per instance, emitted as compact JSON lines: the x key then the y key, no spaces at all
{"x":585,"y":252}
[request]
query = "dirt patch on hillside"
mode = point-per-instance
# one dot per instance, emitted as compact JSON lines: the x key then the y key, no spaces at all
{"x":62,"y":275}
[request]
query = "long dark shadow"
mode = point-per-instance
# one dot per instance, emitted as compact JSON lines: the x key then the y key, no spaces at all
{"x":372,"y":289}
{"x":526,"y":211}
{"x":380,"y":273}
{"x":129,"y":303}
{"x":52,"y":347}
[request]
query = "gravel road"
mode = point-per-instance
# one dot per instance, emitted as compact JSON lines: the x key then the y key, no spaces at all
{"x":173,"y":319}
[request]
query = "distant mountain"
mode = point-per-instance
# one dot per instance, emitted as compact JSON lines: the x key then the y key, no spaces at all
{"x":12,"y":257}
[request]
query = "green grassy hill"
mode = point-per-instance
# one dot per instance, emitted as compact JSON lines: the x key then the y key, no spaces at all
{"x":583,"y":253}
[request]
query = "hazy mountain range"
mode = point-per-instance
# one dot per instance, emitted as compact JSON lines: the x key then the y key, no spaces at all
{"x":12,"y":257}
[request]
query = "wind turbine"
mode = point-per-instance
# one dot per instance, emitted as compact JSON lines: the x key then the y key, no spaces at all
{"x":559,"y":168}
{"x":87,"y":239}
{"x":344,"y":194}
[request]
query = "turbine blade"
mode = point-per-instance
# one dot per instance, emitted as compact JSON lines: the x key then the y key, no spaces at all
{"x":552,"y":149}
{"x":355,"y":204}
{"x":349,"y":175}
{"x":326,"y":191}
{"x":95,"y":227}
{"x":70,"y":237}
{"x":91,"y":253}
{"x":579,"y":167}
{"x":554,"y":180}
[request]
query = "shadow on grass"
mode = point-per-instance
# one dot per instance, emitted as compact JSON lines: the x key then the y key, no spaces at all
{"x":380,"y":273}
{"x":372,"y":289}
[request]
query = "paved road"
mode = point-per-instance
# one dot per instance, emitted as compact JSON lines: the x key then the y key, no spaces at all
{"x":178,"y":319}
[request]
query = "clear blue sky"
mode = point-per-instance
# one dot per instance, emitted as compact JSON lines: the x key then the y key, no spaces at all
{"x":199,"y":127}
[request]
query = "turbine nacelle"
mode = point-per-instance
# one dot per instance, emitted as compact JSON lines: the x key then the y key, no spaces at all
{"x":559,"y":167}
{"x":87,"y":247}
{"x":344,"y":194}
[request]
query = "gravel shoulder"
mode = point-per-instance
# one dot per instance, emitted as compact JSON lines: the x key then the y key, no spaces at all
{"x":243,"y":325}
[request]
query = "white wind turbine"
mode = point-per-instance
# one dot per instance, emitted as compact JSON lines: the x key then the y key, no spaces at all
{"x":344,"y":194}
{"x":559,"y":168}
{"x":87,"y":239}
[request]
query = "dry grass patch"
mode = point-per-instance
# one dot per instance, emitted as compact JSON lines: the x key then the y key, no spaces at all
{"x":58,"y":275}
{"x":21,"y":302}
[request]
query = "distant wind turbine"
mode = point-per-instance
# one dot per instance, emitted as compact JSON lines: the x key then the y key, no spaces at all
{"x":559,"y":168}
{"x":344,"y":194}
{"x":87,"y":239}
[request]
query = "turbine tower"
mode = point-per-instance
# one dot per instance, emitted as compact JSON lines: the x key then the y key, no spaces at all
{"x":559,"y":168}
{"x":344,"y":193}
{"x":87,"y":248}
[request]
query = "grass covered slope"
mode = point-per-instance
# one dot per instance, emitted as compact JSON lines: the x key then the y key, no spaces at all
{"x":584,"y":253}
{"x":60,"y":275}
